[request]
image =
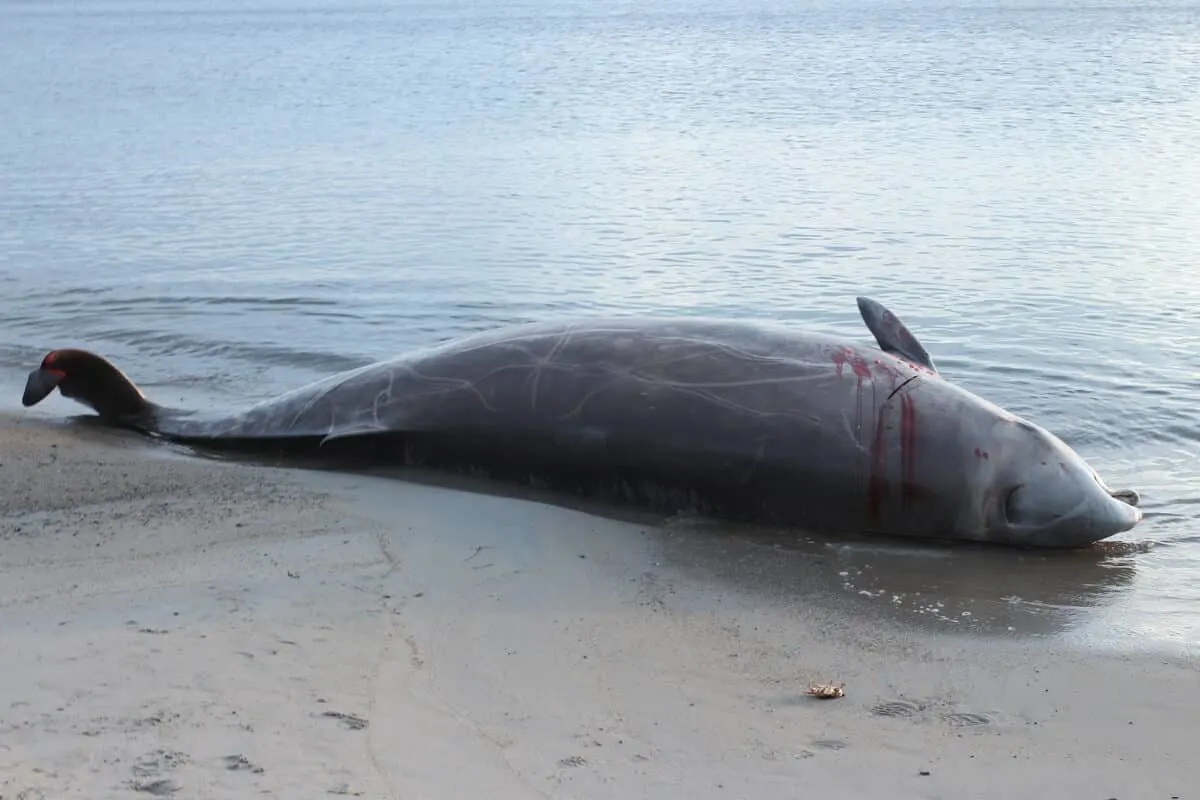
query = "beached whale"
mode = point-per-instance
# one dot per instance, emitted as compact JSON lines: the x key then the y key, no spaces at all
{"x":726,"y":418}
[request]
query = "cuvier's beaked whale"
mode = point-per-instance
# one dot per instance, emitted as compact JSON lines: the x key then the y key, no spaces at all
{"x":728,"y":418}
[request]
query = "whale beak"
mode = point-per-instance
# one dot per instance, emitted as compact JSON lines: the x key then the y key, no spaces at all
{"x":1124,"y":512}
{"x":40,"y":383}
{"x":1112,"y":513}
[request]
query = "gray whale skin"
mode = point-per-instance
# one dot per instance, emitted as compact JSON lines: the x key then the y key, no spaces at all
{"x":731,"y":419}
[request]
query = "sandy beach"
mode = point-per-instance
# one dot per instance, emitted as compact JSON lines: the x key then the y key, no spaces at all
{"x":174,"y":626}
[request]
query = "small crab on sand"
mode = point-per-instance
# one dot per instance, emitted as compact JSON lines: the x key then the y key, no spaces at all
{"x":826,"y":691}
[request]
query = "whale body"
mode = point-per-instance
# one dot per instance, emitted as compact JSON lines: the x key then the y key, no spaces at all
{"x":734,"y":419}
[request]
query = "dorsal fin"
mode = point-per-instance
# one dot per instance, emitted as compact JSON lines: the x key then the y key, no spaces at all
{"x":891,"y":334}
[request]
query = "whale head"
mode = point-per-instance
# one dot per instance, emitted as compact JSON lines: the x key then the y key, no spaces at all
{"x":1024,"y":485}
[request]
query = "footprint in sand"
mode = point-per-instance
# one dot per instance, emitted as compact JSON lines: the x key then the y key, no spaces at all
{"x":904,"y":708}
{"x":159,"y":788}
{"x":239,"y":762}
{"x":159,"y":761}
{"x":830,"y":744}
{"x":349,"y":720}
{"x":898,"y":708}
{"x":967,"y":719}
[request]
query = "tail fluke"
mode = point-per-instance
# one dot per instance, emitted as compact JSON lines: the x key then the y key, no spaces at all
{"x":89,"y":379}
{"x":40,"y":384}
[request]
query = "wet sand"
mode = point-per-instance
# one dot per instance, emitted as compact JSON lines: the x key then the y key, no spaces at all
{"x":174,"y":626}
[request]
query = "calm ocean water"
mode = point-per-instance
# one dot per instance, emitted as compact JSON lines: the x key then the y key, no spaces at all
{"x":232,"y":199}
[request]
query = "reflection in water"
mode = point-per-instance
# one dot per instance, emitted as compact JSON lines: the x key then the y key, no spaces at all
{"x":938,"y":586}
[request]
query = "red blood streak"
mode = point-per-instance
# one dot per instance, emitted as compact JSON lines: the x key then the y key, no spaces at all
{"x":908,"y":448}
{"x":857,"y":363}
{"x":878,"y":481}
{"x":839,"y":358}
{"x":861,"y":369}
{"x":885,"y":367}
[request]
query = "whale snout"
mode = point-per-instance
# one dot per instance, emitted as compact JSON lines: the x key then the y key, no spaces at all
{"x":1071,"y":514}
{"x":1116,"y":511}
{"x":1121,"y":513}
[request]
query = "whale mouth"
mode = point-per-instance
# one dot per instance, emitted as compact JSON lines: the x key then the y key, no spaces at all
{"x":1127,"y":496}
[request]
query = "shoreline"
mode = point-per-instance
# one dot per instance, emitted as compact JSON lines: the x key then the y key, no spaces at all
{"x":193,"y":628}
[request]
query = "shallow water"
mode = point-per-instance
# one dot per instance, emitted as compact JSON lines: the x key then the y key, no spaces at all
{"x":234,"y":199}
